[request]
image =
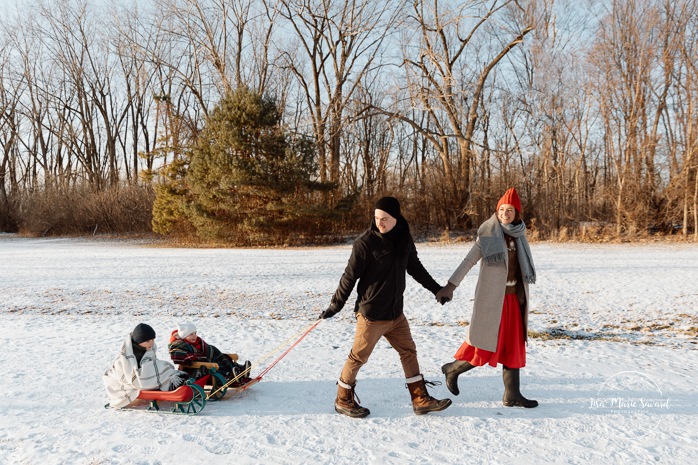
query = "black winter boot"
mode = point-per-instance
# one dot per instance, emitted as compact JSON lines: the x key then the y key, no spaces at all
{"x":240,"y":373}
{"x":247,"y":368}
{"x":512,"y":394}
{"x":452,"y":371}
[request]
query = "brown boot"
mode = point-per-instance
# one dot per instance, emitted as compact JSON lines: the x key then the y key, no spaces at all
{"x":347,"y":402}
{"x":422,"y":402}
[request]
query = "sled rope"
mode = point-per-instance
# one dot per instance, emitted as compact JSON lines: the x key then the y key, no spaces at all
{"x":303,"y":332}
{"x":312,"y":327}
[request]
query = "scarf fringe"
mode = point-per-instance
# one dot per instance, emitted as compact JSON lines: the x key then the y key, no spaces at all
{"x":494,"y":259}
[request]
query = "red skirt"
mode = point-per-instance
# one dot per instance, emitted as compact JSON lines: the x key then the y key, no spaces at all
{"x":511,"y":347}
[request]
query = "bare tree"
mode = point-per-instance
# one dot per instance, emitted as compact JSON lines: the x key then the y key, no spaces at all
{"x":224,"y":44}
{"x":635,"y":54}
{"x":687,"y":172}
{"x":92,"y":112}
{"x":447,"y":68}
{"x":549,"y":116}
{"x":10,"y":93}
{"x":339,"y":42}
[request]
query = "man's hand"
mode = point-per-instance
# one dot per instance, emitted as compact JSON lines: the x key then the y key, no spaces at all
{"x":446,"y":293}
{"x":329,"y":313}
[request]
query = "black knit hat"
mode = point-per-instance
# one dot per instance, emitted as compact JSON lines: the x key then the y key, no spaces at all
{"x":142,"y":333}
{"x":390,"y":205}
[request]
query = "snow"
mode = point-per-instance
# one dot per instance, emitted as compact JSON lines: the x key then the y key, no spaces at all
{"x":612,"y":359}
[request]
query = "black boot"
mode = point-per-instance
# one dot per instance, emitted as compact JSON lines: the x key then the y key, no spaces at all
{"x":247,"y":369}
{"x":512,"y":394}
{"x":240,"y":373}
{"x":452,"y":371}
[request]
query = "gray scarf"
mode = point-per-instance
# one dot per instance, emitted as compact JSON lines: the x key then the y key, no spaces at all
{"x":491,"y":235}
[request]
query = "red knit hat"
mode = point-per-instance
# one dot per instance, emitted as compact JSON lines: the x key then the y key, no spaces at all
{"x":512,"y":198}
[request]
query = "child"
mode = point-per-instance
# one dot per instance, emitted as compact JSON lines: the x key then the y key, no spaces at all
{"x":137,"y":368}
{"x":186,"y":347}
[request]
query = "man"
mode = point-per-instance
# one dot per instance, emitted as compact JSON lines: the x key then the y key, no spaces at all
{"x":379,"y":259}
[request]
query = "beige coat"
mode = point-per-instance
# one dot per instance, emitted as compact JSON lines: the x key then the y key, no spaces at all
{"x":489,"y":298}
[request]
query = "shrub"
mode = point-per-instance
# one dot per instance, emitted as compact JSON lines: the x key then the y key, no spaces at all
{"x":83,"y":210}
{"x":245,"y":181}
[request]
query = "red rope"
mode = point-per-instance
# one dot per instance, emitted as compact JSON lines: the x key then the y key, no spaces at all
{"x":264,"y":372}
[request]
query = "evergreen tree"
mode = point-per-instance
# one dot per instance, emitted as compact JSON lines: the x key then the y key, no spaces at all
{"x":171,"y":200}
{"x":247,"y":181}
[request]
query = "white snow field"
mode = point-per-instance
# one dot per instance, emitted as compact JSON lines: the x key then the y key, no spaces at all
{"x":612,"y":358}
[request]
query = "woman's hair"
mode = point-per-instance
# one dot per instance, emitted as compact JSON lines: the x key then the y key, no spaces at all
{"x":517,"y":217}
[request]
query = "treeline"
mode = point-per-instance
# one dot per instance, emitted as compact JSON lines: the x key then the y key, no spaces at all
{"x":589,"y":108}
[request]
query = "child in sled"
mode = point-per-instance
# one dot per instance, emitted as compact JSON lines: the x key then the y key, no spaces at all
{"x":137,"y":368}
{"x":186,"y":347}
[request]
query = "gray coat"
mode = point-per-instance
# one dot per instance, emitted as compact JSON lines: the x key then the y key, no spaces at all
{"x":489,"y":298}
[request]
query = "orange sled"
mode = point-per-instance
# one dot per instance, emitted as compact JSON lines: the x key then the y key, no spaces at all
{"x":189,"y":399}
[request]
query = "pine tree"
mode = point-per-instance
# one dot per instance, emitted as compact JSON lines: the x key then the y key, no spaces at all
{"x":247,"y":181}
{"x":171,"y":200}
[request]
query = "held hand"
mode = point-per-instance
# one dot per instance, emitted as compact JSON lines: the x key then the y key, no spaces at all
{"x":329,"y":313}
{"x":445,"y":294}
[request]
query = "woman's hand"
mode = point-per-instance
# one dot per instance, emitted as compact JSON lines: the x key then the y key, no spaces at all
{"x":446,"y":293}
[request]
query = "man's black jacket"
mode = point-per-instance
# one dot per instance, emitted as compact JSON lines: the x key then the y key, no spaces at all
{"x":379,"y":265}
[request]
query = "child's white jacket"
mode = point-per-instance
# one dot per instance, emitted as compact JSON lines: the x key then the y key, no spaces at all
{"x":124,"y":380}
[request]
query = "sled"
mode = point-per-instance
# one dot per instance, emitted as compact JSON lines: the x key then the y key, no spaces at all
{"x":245,"y":386}
{"x":231,"y":390}
{"x":189,"y":399}
{"x":217,"y":387}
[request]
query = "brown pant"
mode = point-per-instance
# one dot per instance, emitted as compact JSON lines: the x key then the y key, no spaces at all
{"x":398,"y":334}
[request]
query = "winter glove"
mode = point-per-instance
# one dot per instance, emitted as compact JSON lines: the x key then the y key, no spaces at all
{"x":329,"y":313}
{"x":446,"y":293}
{"x":180,"y":378}
{"x":200,"y":373}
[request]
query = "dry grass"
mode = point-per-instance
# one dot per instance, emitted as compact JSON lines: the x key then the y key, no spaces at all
{"x":127,"y":210}
{"x":558,"y":333}
{"x":80,"y":211}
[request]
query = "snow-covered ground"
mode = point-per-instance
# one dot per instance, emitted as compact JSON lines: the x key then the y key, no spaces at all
{"x":612,"y":360}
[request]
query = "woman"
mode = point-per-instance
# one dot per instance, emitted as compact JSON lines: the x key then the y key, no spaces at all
{"x":499,"y":322}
